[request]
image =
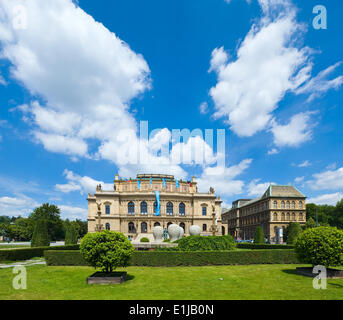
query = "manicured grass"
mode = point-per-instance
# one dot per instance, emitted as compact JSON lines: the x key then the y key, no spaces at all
{"x":13,"y":246}
{"x":185,"y":283}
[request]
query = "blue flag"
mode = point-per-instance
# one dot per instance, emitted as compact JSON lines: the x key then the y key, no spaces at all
{"x":138,"y":184}
{"x":177,"y":183}
{"x":164,"y":182}
{"x":157,"y":195}
{"x":150,"y":182}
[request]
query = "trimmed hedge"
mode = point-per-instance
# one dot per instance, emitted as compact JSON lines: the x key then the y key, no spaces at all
{"x":263,"y":246}
{"x":28,"y":253}
{"x":208,"y":243}
{"x":179,"y":258}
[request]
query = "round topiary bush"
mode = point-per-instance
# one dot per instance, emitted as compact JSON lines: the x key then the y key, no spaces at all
{"x":106,"y":250}
{"x":320,"y":246}
{"x":145,"y":240}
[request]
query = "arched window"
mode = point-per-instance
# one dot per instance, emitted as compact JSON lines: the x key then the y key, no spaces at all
{"x":282,"y":216}
{"x":282,"y":204}
{"x":293,"y":204}
{"x":144,"y":208}
{"x":108,"y":227}
{"x":204,"y":210}
{"x":144,"y":227}
{"x":275,"y":204}
{"x":293,"y":216}
{"x":132,"y":228}
{"x":108,"y":209}
{"x":182,"y":225}
{"x":204,"y":227}
{"x":157,"y":224}
{"x":287,"y":205}
{"x":223,"y":230}
{"x":169,"y":209}
{"x":181,"y":209}
{"x":301,"y":216}
{"x":131,"y":208}
{"x":275,"y":216}
{"x":155,"y":207}
{"x":288,"y":216}
{"x":300,"y":204}
{"x":168,"y":224}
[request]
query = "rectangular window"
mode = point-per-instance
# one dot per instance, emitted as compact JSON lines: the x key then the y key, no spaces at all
{"x":108,"y":209}
{"x":204,"y":211}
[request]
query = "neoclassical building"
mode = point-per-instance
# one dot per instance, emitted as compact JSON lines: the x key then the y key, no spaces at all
{"x":275,"y":209}
{"x":135,"y":206}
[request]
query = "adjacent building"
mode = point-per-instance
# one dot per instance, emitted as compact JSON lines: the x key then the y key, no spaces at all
{"x":135,"y":206}
{"x":274,"y":210}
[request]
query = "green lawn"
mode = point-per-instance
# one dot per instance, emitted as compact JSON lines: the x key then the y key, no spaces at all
{"x":13,"y":246}
{"x":188,"y":283}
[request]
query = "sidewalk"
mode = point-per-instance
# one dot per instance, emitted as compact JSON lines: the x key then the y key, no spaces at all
{"x":26,"y":263}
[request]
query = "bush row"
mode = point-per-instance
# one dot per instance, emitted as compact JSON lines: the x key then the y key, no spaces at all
{"x":28,"y":253}
{"x":209,"y":243}
{"x":263,"y":246}
{"x":179,"y":258}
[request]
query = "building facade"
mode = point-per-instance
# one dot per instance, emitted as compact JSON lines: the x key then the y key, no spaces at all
{"x":135,"y":206}
{"x":277,"y":207}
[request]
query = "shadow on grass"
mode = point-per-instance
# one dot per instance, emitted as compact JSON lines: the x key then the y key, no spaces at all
{"x":289,"y":271}
{"x":129,"y":277}
{"x":336,"y":285}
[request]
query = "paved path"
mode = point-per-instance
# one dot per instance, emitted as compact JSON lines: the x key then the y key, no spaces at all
{"x":58,"y":243}
{"x":26,"y":263}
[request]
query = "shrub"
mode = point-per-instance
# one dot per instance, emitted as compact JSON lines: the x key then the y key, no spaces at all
{"x":208,"y":243}
{"x":28,"y":253}
{"x":71,"y":235}
{"x":191,"y":258}
{"x":106,"y":250}
{"x":259,"y":236}
{"x":145,"y":240}
{"x":40,"y":237}
{"x":263,"y":246}
{"x":294,"y":230}
{"x":320,"y":246}
{"x":166,"y":240}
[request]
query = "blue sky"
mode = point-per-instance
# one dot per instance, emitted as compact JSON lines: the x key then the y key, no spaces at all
{"x":77,"y":79}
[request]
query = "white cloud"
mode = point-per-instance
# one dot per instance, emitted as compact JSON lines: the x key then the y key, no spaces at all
{"x":86,"y":75}
{"x":318,"y":85}
{"x":305,"y":164}
{"x":257,"y":189}
{"x":296,"y":132}
{"x":73,"y":213}
{"x":268,"y":65}
{"x":270,"y":62}
{"x":273,"y":151}
{"x":329,"y":199}
{"x":223,"y":180}
{"x":19,"y":205}
{"x":203,"y":108}
{"x":78,"y":183}
{"x":327,"y":180}
{"x":299,"y":179}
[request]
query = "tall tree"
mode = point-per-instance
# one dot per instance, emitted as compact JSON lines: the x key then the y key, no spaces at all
{"x":51,"y":214}
{"x":40,"y":236}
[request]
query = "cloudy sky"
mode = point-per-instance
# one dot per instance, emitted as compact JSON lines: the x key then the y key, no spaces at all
{"x":79,"y":78}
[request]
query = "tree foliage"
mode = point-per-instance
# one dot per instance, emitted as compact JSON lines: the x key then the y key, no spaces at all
{"x":40,"y":236}
{"x":320,"y":246}
{"x":72,"y":235}
{"x":259,"y":235}
{"x":51,"y":214}
{"x":294,"y":229}
{"x":106,"y":250}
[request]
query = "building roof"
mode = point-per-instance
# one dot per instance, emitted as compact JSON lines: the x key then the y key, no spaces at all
{"x":282,"y":191}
